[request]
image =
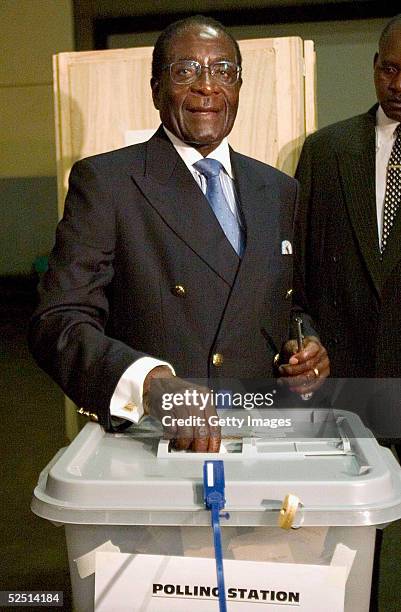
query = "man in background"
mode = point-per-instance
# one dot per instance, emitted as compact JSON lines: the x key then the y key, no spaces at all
{"x":349,"y":238}
{"x":169,"y":258}
{"x":348,"y":229}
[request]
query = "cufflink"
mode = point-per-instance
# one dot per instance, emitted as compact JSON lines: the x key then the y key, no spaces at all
{"x":286,"y":247}
{"x":130,"y":407}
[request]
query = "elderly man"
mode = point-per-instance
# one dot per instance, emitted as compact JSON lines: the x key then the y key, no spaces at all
{"x":169,"y":257}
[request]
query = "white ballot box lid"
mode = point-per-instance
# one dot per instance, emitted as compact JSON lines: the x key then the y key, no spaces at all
{"x":328,"y":459}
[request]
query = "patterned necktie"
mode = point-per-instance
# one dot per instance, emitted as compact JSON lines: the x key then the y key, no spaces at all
{"x":392,"y":198}
{"x":210,"y":168}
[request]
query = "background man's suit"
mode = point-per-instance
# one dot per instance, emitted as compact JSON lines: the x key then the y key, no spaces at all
{"x":140,"y":253}
{"x":353,"y":296}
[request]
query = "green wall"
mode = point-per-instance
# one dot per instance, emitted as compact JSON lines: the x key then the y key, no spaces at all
{"x":30,"y":32}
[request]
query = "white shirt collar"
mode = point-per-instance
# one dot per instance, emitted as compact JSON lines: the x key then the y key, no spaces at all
{"x":190,"y":155}
{"x":385,"y":127}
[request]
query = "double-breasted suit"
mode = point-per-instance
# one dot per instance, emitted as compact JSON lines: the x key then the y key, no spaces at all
{"x":142,"y":267}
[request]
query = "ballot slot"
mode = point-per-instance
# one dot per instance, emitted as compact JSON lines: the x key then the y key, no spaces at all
{"x":316,"y":434}
{"x":238,"y":450}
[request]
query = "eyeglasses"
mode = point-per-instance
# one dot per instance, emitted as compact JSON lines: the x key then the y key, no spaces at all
{"x":185,"y":72}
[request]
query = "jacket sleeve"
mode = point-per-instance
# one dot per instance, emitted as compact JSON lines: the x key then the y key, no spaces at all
{"x":67,"y":332}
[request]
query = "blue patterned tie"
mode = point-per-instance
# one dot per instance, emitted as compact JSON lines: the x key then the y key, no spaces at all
{"x":210,"y":168}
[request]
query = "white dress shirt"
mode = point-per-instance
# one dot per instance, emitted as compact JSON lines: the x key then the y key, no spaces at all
{"x":126,"y":402}
{"x":385,"y":137}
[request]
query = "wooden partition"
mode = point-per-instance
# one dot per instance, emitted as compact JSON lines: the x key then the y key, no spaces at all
{"x":101,"y":96}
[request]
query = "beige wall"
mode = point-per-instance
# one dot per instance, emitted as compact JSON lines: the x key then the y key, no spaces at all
{"x":344,"y":51}
{"x":30,"y":32}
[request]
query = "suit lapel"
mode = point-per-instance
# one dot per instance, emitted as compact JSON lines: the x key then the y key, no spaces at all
{"x":357,"y":172}
{"x":258,"y":210}
{"x":262,"y":220}
{"x":169,"y":187}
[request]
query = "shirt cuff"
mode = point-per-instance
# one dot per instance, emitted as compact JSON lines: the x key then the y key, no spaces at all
{"x":126,"y":402}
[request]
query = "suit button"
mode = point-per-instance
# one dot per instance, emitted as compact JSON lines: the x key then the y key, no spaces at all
{"x":217,"y":359}
{"x":178,"y":291}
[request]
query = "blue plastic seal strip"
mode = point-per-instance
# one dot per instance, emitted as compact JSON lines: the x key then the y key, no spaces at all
{"x":213,"y":492}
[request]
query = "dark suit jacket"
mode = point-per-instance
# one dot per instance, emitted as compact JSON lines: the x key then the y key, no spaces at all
{"x":353,"y":296}
{"x":135,"y":226}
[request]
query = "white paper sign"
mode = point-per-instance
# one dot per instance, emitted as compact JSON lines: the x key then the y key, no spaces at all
{"x":155,"y":583}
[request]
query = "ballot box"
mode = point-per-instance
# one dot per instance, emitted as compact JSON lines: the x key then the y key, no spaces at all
{"x":128,"y":494}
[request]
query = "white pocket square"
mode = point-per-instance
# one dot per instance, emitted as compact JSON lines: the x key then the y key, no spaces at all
{"x":286,"y":247}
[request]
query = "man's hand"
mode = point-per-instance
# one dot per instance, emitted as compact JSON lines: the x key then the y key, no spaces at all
{"x":305,"y":370}
{"x":169,"y":398}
